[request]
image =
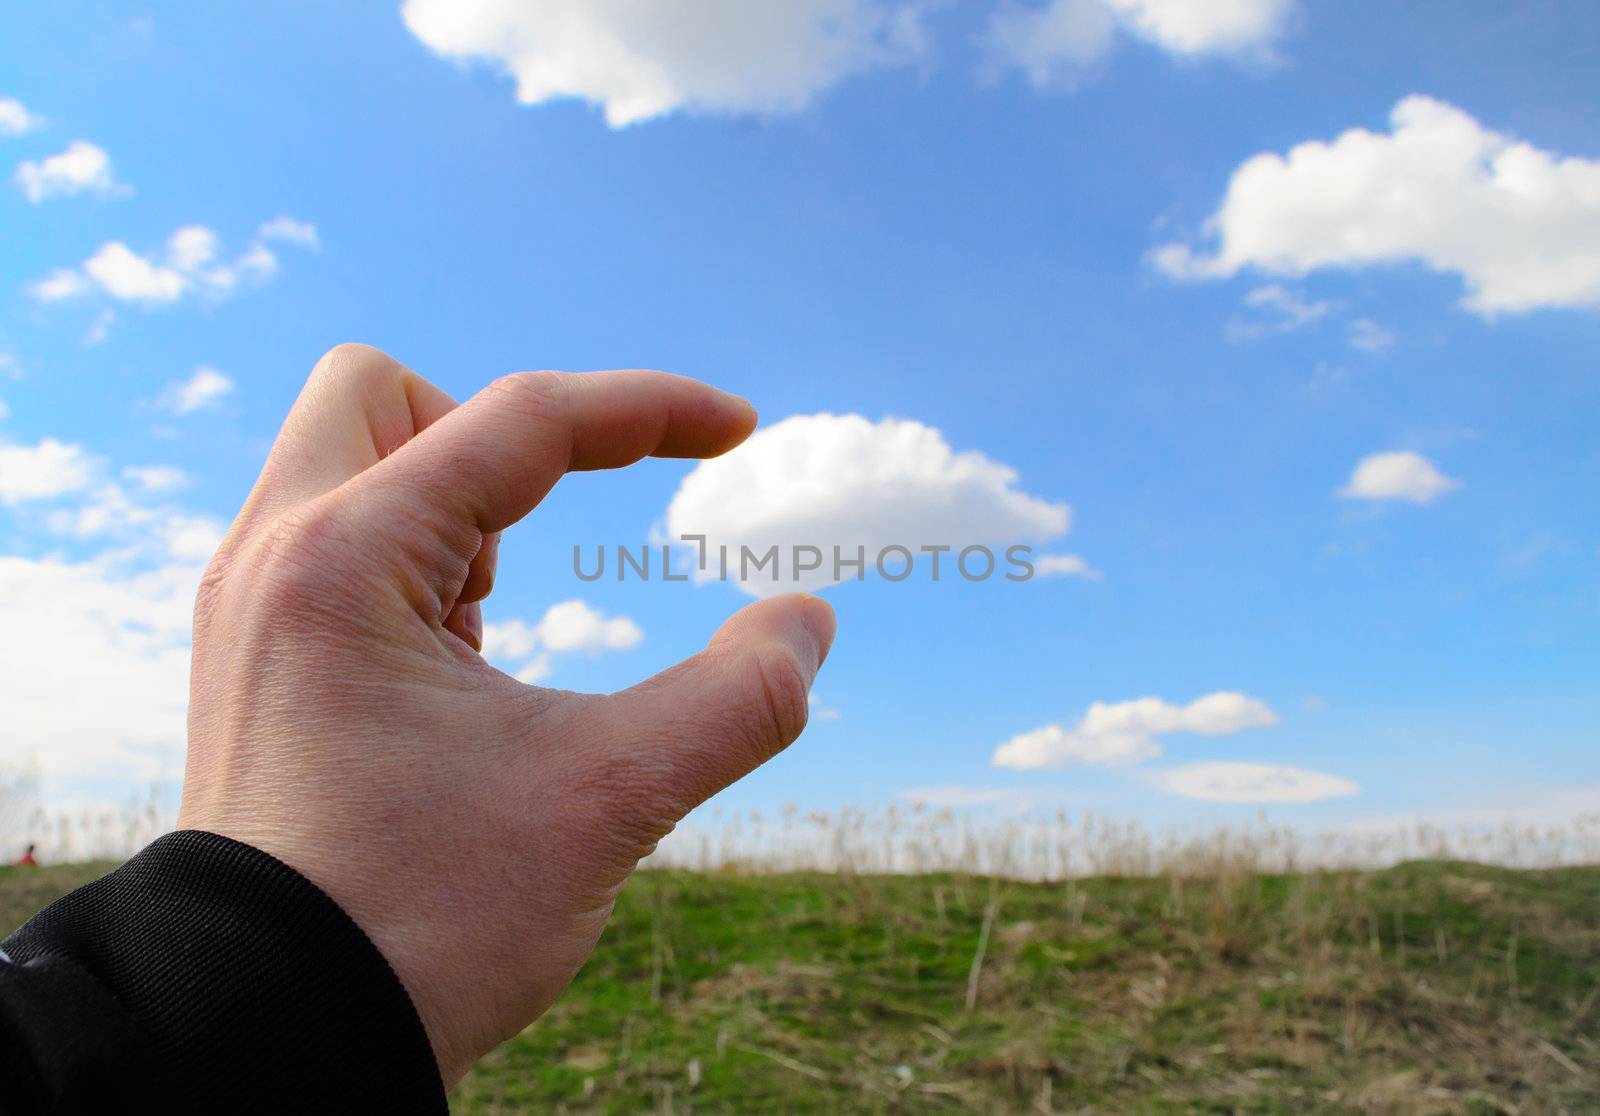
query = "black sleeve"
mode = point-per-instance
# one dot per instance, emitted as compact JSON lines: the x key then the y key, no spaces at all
{"x":205,"y":976}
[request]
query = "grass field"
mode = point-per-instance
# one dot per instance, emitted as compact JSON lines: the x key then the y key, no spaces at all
{"x":1430,"y":987}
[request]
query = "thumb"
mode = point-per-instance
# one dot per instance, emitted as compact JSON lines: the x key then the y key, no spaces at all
{"x":715,"y":717}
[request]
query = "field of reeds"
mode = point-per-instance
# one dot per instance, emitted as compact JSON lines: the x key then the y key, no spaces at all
{"x":924,"y":961}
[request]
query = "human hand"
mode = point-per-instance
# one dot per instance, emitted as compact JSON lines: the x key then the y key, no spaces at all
{"x":341,"y":719}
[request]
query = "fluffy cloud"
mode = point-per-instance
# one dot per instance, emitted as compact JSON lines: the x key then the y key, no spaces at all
{"x":1399,"y":475}
{"x":1219,"y":781}
{"x":1125,"y":732}
{"x":1060,"y":41}
{"x":640,"y":61}
{"x":81,"y":168}
{"x":103,"y":629}
{"x":1518,"y":224}
{"x":844,"y":481}
{"x":204,"y":390}
{"x":566,"y":627}
{"x":43,"y":471}
{"x":1216,"y":27}
{"x":192,"y":263}
{"x":15,"y":119}
{"x":114,"y":626}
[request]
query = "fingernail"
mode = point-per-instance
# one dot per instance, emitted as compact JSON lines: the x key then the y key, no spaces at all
{"x":820,"y":622}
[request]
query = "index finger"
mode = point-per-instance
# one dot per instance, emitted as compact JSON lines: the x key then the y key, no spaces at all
{"x":489,"y":462}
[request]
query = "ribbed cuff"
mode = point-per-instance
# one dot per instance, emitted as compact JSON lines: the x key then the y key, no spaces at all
{"x":253,"y":989}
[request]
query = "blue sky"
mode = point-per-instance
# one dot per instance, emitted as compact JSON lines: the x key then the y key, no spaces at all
{"x":1018,"y":226}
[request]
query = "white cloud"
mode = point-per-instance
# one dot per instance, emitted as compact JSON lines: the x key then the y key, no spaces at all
{"x":1064,"y":565}
{"x":156,"y":478}
{"x":81,"y":168}
{"x":1125,"y":732}
{"x":565,"y":627}
{"x":114,"y":625}
{"x":1052,"y":45}
{"x":1368,"y":336}
{"x":129,"y":277}
{"x":15,"y":119}
{"x":42,"y":471}
{"x":641,"y":60}
{"x":203,"y":390}
{"x":1061,"y":41}
{"x":1275,"y":309}
{"x":95,"y":628}
{"x":191,"y":247}
{"x":574,"y":626}
{"x":5,"y":410}
{"x":60,"y":284}
{"x":1219,"y":781}
{"x":821,"y":711}
{"x":843,"y":481}
{"x":258,"y":262}
{"x":302,"y":234}
{"x":1398,"y":475}
{"x":192,"y":263}
{"x":1518,"y":224}
{"x":1184,"y":27}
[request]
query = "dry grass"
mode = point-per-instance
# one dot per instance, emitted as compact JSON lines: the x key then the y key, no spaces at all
{"x":907,"y":960}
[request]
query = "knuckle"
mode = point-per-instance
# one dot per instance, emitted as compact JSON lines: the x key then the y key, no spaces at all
{"x":290,"y":557}
{"x":352,"y":356}
{"x":534,"y":396}
{"x":781,"y":694}
{"x":357,"y":368}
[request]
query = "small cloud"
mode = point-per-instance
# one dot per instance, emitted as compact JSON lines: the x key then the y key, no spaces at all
{"x":192,"y":263}
{"x":566,"y":627}
{"x":1399,"y":475}
{"x":1219,"y":781}
{"x":81,"y":168}
{"x":284,"y":228}
{"x":62,"y":283}
{"x":129,"y":277}
{"x":1273,"y":310}
{"x":1368,"y":336}
{"x":42,"y":471}
{"x":1059,"y":43}
{"x":156,"y":478}
{"x":5,"y":410}
{"x":201,"y":391}
{"x":1315,"y":704}
{"x":1125,"y":732}
{"x":15,"y":119}
{"x":821,"y":711}
{"x":101,"y":327}
{"x":1064,"y":565}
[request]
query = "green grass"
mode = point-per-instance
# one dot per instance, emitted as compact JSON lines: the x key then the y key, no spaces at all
{"x":1430,"y":987}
